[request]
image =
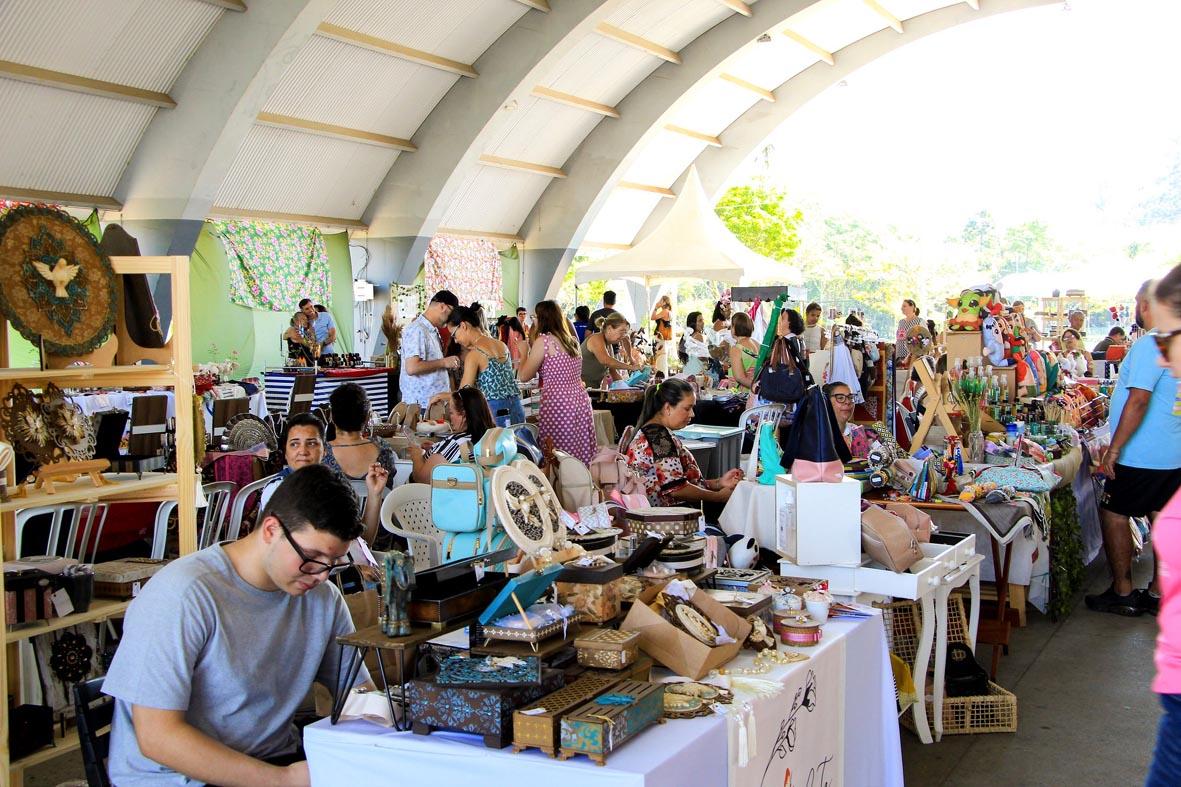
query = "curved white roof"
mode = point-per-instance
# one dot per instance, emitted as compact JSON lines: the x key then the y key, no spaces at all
{"x":562,"y":123}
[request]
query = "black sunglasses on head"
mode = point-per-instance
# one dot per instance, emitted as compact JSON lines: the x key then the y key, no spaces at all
{"x":1163,"y":340}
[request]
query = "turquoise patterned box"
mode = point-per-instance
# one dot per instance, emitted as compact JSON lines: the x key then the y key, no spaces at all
{"x":600,"y":726}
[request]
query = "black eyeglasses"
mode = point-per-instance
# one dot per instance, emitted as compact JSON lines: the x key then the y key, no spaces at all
{"x":1163,"y":340}
{"x":309,"y":566}
{"x":842,"y":398}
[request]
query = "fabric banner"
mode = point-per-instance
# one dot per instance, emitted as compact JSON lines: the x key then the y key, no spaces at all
{"x":275,"y":266}
{"x":468,"y":267}
{"x":799,"y":732}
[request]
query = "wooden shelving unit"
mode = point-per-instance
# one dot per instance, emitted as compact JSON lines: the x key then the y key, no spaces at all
{"x":1054,"y":312}
{"x":179,"y":486}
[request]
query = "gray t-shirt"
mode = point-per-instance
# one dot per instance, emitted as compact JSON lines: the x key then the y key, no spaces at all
{"x":237,"y":660}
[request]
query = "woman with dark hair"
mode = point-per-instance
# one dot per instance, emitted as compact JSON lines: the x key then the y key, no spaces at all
{"x":744,"y":352}
{"x":791,"y":327}
{"x":488,"y":366}
{"x":721,"y":317}
{"x":1165,"y":311}
{"x":512,"y":335}
{"x":910,"y":318}
{"x":469,"y":418}
{"x":349,"y":451}
{"x":565,"y":414}
{"x":670,"y":473}
{"x":860,"y":439}
{"x":1072,"y":359}
{"x":662,"y":316}
{"x":692,"y":349}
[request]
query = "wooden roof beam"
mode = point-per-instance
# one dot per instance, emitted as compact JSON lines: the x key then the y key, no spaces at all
{"x":637,"y":42}
{"x":571,"y":100}
{"x":60,"y":198}
{"x":375,"y":44}
{"x":691,"y":134}
{"x":229,"y":5}
{"x":661,"y":190}
{"x":502,"y":236}
{"x":812,"y":47}
{"x":335,"y":132}
{"x":761,"y":92}
{"x":737,"y":6}
{"x":78,"y":84}
{"x":885,"y":14}
{"x":522,"y":166}
{"x":598,"y":244}
{"x":219,"y":212}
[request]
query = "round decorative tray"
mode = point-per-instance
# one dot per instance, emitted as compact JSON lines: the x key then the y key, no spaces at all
{"x":246,"y":430}
{"x":522,"y":510}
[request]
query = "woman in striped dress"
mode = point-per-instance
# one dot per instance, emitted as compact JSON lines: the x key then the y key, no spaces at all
{"x":565,"y":415}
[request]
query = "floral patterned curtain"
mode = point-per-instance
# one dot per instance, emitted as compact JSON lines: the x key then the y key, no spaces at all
{"x":469,"y":267}
{"x":274,"y":266}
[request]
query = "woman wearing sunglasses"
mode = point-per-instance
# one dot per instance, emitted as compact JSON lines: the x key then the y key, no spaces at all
{"x":1165,"y":306}
{"x":860,"y":439}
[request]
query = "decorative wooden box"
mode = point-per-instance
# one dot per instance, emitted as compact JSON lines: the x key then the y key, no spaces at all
{"x":607,"y":648}
{"x":487,"y":712}
{"x":666,"y":520}
{"x":481,"y":673}
{"x":123,"y":578}
{"x":594,"y":602}
{"x":601,"y":726}
{"x":454,"y":590}
{"x":543,"y":730}
{"x":516,"y":596}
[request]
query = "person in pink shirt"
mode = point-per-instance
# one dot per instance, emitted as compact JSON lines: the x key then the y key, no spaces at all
{"x":1166,"y":538}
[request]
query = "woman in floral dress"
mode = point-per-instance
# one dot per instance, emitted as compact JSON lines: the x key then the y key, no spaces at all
{"x":565,"y":407}
{"x":670,"y":473}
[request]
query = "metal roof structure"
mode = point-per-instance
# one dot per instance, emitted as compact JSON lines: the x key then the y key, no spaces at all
{"x":557,"y":124}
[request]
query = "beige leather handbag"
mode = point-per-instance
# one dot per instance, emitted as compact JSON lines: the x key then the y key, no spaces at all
{"x":888,"y":540}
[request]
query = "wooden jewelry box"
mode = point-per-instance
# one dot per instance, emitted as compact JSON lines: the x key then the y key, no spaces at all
{"x":602,"y":725}
{"x":454,"y":590}
{"x":123,"y":578}
{"x":516,"y":596}
{"x":607,"y":648}
{"x":543,"y":730}
{"x":594,"y":592}
{"x":479,"y":711}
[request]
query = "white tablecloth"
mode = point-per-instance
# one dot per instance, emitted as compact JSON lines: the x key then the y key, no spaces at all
{"x":751,"y":511}
{"x":121,"y":400}
{"x":674,"y":754}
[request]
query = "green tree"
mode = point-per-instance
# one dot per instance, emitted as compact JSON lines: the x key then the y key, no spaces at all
{"x":1027,"y":247}
{"x":757,"y":217}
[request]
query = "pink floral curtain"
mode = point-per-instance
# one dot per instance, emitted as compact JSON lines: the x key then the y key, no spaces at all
{"x":469,"y":267}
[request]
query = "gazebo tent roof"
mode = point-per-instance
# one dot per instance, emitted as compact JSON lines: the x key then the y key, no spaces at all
{"x":690,"y":243}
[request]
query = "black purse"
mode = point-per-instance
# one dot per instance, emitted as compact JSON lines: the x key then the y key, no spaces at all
{"x":963,"y":675}
{"x":781,"y":380}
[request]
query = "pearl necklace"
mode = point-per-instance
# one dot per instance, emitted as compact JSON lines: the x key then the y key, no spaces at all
{"x":764,"y":661}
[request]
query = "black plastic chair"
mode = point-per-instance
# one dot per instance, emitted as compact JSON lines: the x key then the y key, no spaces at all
{"x":94,"y":713}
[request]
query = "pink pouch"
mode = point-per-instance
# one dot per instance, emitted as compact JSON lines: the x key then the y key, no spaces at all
{"x":629,"y":501}
{"x":916,"y":519}
{"x":809,"y":471}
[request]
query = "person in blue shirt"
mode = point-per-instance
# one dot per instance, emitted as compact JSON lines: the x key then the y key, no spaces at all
{"x":1142,"y":465}
{"x":322,"y":324}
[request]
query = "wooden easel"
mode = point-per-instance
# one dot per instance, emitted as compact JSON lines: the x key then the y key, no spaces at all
{"x":936,"y":406}
{"x":68,"y":472}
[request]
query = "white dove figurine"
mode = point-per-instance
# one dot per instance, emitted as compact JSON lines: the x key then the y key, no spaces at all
{"x":61,"y":274}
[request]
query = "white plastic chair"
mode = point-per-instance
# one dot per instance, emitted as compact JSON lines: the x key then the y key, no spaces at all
{"x":406,"y":512}
{"x":238,"y":509}
{"x":764,"y":413}
{"x":217,"y":510}
{"x":160,"y":529}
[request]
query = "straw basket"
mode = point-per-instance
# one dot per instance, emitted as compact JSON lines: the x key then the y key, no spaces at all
{"x":994,"y":712}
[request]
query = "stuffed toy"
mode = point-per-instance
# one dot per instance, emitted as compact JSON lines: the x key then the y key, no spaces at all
{"x":994,"y":340}
{"x":970,"y":308}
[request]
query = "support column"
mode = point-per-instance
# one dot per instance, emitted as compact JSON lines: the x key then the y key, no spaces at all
{"x":541,"y":273}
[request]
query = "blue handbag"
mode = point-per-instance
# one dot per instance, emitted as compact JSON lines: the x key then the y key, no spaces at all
{"x":461,"y":499}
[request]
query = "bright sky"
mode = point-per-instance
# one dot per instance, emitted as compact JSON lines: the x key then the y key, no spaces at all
{"x":1044,"y":114}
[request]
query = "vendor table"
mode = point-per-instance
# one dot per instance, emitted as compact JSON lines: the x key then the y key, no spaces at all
{"x":727,"y":440}
{"x":623,"y":414}
{"x":750,"y":511}
{"x":375,"y":381}
{"x":718,"y":412}
{"x":833,"y":723}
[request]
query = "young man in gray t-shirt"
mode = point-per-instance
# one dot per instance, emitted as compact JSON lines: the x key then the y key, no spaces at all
{"x":222,"y":645}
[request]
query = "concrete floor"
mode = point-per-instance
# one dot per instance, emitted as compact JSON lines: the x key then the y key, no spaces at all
{"x":1084,"y":708}
{"x":1085,"y":712}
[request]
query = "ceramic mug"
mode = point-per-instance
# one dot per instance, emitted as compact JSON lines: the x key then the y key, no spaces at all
{"x":818,"y":610}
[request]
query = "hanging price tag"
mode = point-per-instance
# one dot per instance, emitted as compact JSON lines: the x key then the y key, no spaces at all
{"x":62,"y":605}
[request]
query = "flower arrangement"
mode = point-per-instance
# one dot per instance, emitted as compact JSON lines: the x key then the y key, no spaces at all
{"x":217,"y":370}
{"x":967,"y":389}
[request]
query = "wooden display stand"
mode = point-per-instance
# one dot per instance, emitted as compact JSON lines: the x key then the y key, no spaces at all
{"x":936,"y":406}
{"x":1054,"y":312}
{"x":176,"y":372}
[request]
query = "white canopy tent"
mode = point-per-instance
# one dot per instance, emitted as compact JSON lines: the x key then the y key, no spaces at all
{"x":690,"y":243}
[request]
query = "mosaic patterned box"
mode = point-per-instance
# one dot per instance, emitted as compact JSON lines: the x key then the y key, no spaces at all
{"x":602,"y":725}
{"x":542,"y":730}
{"x":607,"y":648}
{"x":486,"y":712}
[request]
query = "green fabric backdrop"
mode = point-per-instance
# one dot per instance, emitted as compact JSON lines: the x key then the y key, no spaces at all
{"x":220,"y":326}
